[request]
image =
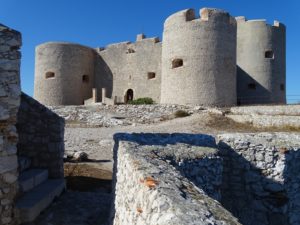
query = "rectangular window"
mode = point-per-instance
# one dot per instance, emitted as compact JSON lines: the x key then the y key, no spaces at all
{"x":252,"y":86}
{"x":151,"y":75}
{"x":50,"y":75}
{"x":269,"y":54}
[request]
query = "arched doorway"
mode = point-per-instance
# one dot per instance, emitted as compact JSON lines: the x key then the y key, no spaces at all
{"x":129,"y":95}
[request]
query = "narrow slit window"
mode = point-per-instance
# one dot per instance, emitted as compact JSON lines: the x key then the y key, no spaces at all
{"x":177,"y":63}
{"x":85,"y":79}
{"x":269,"y":54}
{"x":50,"y":75}
{"x":282,"y":87}
{"x":130,"y":51}
{"x":151,"y":75}
{"x":252,"y":86}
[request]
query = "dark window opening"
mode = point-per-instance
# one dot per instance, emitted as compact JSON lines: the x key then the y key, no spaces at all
{"x":130,"y":50}
{"x":282,"y":87}
{"x":129,"y":95}
{"x":85,"y":79}
{"x":177,"y":63}
{"x":50,"y":75}
{"x":269,"y":54}
{"x":252,"y":86}
{"x":151,"y":75}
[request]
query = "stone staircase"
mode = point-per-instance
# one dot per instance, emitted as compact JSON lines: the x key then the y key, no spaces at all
{"x":37,"y":192}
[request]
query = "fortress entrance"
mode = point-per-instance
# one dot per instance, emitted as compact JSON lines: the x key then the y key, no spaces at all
{"x":129,"y":95}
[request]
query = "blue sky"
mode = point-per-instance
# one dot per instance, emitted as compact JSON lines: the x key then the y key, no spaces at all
{"x":99,"y":22}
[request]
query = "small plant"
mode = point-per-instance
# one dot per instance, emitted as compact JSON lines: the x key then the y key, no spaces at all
{"x":141,"y":101}
{"x":181,"y":113}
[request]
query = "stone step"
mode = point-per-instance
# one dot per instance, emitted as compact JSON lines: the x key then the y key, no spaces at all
{"x":24,"y":163}
{"x":32,"y":178}
{"x":38,"y":199}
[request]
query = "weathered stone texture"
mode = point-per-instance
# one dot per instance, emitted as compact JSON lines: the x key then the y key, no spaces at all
{"x":261,"y":177}
{"x":207,"y":47}
{"x":125,"y":66}
{"x":261,"y":64}
{"x":68,"y":63}
{"x":41,"y":136}
{"x":150,"y":183}
{"x":10,"y":42}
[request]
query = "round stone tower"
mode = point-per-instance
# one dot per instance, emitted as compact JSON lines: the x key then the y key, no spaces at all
{"x":199,"y":58}
{"x":261,"y":66}
{"x":64,"y":73}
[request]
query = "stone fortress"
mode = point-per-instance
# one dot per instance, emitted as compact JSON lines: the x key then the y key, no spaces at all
{"x":214,"y":60}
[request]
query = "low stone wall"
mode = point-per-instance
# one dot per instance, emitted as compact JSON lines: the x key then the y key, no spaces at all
{"x":281,"y":116}
{"x":288,"y":110}
{"x":162,"y":179}
{"x":288,"y":122}
{"x":41,"y":136}
{"x":261,"y":182}
{"x":10,"y":42}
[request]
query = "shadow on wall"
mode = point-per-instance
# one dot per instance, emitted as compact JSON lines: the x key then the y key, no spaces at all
{"x":164,"y":139}
{"x":202,"y":164}
{"x":103,"y":77}
{"x":249,"y":194}
{"x":41,"y":138}
{"x":249,"y":91}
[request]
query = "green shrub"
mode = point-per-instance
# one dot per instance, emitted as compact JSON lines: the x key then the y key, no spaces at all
{"x":181,"y":113}
{"x":141,"y":101}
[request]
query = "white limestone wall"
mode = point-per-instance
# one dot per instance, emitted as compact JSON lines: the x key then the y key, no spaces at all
{"x":261,"y":177}
{"x":254,"y":39}
{"x":10,"y":42}
{"x":207,"y":48}
{"x":150,"y":183}
{"x":69,"y":63}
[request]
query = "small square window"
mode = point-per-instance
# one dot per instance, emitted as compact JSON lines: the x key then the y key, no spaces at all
{"x":151,"y":75}
{"x":85,"y":78}
{"x":252,"y":86}
{"x":282,"y":87}
{"x":50,"y":75}
{"x":177,"y":63}
{"x":269,"y":54}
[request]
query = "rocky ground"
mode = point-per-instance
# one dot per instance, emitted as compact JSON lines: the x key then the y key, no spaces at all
{"x":90,"y":129}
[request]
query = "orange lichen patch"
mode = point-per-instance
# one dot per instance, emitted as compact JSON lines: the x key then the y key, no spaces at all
{"x":149,"y":182}
{"x":283,"y":150}
{"x":139,"y":209}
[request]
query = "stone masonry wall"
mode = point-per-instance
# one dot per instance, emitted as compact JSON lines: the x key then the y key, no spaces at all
{"x":123,"y":66}
{"x":261,"y":182}
{"x":10,"y":42}
{"x":150,"y":184}
{"x":41,"y":136}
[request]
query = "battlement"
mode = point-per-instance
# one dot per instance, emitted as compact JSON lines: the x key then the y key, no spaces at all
{"x":206,"y":14}
{"x":276,"y":24}
{"x":63,"y":44}
{"x":141,"y":38}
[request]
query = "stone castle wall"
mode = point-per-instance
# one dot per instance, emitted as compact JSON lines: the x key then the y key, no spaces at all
{"x":41,"y":136}
{"x":261,"y":72}
{"x":135,"y":66}
{"x":10,"y":42}
{"x":207,"y":48}
{"x":215,"y":60}
{"x":64,"y":73}
{"x":261,"y":177}
{"x":150,"y":183}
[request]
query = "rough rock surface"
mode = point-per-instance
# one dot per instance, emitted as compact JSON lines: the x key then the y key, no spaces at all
{"x":261,"y":177}
{"x":151,"y":187}
{"x":119,"y":115}
{"x":10,"y":42}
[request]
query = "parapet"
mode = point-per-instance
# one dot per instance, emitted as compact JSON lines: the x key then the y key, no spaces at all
{"x":206,"y":14}
{"x":276,"y":24}
{"x":62,"y":44}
